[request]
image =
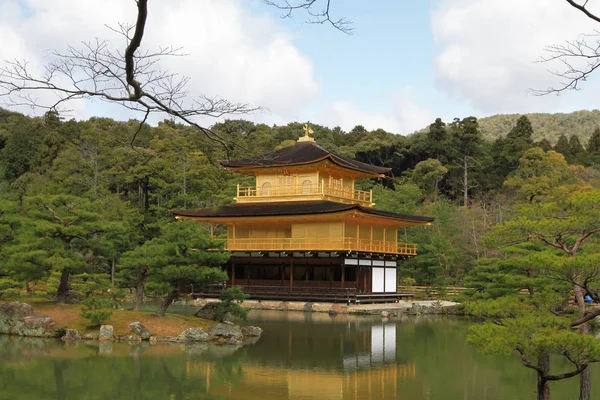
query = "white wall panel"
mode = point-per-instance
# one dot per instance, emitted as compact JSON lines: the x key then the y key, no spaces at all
{"x":390,"y":280}
{"x":377,"y":280}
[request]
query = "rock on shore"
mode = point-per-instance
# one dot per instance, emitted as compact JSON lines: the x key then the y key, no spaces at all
{"x":17,"y":318}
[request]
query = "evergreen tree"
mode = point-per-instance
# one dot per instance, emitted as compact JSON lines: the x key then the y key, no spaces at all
{"x":466,"y":146}
{"x":562,"y":146}
{"x":577,"y":154}
{"x":544,"y":144}
{"x":437,"y":140}
{"x":60,"y":234}
{"x":428,"y":174}
{"x":593,"y":146}
{"x":506,"y":152}
{"x":176,"y":260}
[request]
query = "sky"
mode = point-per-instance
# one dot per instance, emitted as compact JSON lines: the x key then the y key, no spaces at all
{"x":406,"y":63}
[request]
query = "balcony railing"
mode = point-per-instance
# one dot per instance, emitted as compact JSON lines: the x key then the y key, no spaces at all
{"x":323,"y":191}
{"x":321,"y":244}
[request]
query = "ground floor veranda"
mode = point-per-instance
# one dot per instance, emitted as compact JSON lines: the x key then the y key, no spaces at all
{"x":315,"y":276}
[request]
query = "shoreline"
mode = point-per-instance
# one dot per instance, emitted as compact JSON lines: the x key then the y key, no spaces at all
{"x":56,"y":321}
{"x":402,"y":307}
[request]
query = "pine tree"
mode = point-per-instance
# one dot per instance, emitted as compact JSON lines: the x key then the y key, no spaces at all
{"x":593,"y":146}
{"x":177,"y":259}
{"x":577,"y":154}
{"x":562,"y":146}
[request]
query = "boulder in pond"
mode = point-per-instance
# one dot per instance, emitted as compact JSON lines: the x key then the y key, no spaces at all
{"x":106,"y":332}
{"x":251,"y":331}
{"x":90,"y":336}
{"x":208,"y":311}
{"x":162,"y":339}
{"x":130,"y":339}
{"x":71,"y":334}
{"x":192,"y":335}
{"x":234,"y":341}
{"x":225,"y":331}
{"x":140,"y":330}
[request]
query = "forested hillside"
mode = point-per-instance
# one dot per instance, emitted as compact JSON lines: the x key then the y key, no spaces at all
{"x":124,"y":187}
{"x":545,"y":126}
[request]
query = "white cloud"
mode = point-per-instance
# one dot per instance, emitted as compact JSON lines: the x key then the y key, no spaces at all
{"x":233,"y":54}
{"x":405,"y":115}
{"x":489,"y":49}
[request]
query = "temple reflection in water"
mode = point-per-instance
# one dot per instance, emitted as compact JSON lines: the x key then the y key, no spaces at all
{"x":360,"y":363}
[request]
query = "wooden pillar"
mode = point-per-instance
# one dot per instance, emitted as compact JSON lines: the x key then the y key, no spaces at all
{"x":343,"y":277}
{"x":235,"y":246}
{"x":291,"y":272}
{"x":330,"y":274}
{"x":232,"y":272}
{"x":306,"y":272}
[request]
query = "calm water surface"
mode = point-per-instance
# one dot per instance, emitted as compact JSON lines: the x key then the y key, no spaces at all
{"x":300,"y":356}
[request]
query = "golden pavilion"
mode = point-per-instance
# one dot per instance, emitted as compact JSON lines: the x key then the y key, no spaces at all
{"x":303,"y":231}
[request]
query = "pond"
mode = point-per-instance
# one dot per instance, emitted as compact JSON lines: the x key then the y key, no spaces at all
{"x":300,"y":356}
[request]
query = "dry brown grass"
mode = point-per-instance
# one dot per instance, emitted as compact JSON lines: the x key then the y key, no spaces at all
{"x":67,"y":315}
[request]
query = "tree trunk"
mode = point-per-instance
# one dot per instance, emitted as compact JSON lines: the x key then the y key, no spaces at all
{"x":139,"y":288}
{"x":585,"y":379}
{"x":543,"y":387}
{"x":63,"y":287}
{"x":585,"y":384}
{"x":167,"y":302}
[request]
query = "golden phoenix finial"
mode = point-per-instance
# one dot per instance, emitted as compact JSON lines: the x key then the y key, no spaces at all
{"x":307,"y":130}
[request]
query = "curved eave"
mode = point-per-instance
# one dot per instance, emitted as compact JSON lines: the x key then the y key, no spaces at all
{"x":329,"y":157}
{"x":295,"y":209}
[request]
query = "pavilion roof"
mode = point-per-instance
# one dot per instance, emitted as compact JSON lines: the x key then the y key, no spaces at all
{"x":302,"y":153}
{"x":292,"y":208}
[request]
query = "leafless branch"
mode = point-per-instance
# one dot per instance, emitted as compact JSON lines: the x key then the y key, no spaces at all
{"x":583,"y":9}
{"x":132,"y":79}
{"x":321,"y":16}
{"x":578,"y":59}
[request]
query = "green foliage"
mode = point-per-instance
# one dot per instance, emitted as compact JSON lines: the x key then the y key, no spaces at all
{"x":593,"y":146}
{"x":428,"y":174}
{"x":230,"y":304}
{"x":95,"y":309}
{"x":177,"y":259}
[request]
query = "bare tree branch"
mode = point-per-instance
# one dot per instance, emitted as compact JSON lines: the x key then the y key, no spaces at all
{"x":132,"y":79}
{"x":321,"y":16}
{"x":578,"y":59}
{"x":583,"y":9}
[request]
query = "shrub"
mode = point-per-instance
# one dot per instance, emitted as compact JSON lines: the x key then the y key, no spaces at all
{"x":95,"y":310}
{"x":229,"y":304}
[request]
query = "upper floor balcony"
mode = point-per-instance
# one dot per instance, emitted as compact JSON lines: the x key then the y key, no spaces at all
{"x":268,"y":193}
{"x":320,"y":244}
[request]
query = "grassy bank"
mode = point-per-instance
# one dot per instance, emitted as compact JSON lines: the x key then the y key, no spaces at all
{"x":67,"y":315}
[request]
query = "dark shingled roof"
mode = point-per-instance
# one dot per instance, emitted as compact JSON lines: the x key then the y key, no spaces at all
{"x":302,"y":153}
{"x":291,"y":208}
